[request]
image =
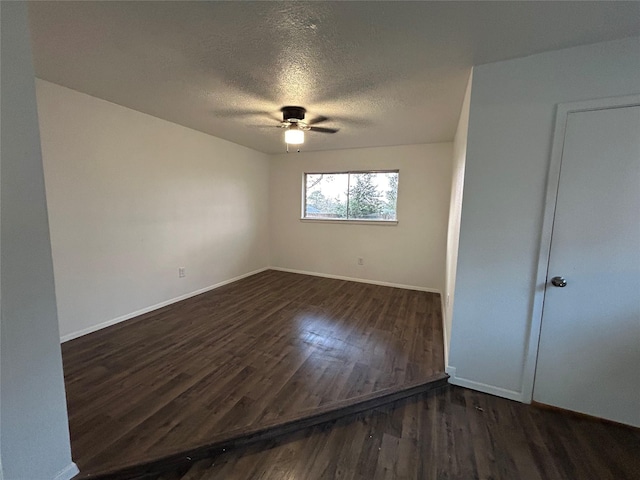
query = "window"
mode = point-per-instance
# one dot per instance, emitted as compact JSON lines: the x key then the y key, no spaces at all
{"x":359,"y":196}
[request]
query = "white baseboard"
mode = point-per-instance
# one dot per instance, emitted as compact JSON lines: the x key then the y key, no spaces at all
{"x":67,"y":472}
{"x":360,"y":280}
{"x":128,"y":316}
{"x":482,"y":387}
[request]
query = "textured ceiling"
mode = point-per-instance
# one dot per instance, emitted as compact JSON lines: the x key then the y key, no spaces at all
{"x":385,"y":73}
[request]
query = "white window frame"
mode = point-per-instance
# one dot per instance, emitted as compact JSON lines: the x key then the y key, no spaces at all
{"x":353,"y":221}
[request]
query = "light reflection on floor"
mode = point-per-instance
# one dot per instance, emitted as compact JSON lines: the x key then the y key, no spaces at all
{"x":350,"y":345}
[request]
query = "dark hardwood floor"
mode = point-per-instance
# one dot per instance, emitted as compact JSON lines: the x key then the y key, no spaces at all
{"x":451,"y":433}
{"x":272,"y":347}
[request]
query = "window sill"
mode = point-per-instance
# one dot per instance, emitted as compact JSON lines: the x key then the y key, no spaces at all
{"x":385,"y":223}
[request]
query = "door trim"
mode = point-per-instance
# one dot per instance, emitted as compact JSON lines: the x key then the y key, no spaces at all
{"x":553,"y":180}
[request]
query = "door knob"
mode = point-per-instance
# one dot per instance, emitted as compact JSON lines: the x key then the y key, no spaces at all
{"x":558,"y":282}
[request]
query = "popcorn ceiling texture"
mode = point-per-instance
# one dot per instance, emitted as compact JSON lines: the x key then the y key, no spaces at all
{"x":385,"y":73}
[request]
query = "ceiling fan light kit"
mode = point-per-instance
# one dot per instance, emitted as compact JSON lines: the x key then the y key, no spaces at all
{"x":294,"y":125}
{"x":294,"y":135}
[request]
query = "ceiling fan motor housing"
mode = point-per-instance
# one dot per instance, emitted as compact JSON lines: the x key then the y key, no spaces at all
{"x":293,"y":113}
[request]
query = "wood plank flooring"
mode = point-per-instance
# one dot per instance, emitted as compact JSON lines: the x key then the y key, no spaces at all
{"x":244,"y":355}
{"x":451,"y":433}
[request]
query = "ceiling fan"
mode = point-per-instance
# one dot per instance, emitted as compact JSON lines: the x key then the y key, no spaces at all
{"x":294,"y":125}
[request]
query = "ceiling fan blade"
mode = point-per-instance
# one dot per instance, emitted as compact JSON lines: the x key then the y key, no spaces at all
{"x":245,"y":113}
{"x":264,"y":126}
{"x":323,"y":129}
{"x":317,"y":120}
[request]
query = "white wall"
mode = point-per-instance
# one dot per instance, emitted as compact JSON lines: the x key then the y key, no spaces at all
{"x":132,"y":198}
{"x":509,"y":142}
{"x":455,"y":212}
{"x":411,"y":253}
{"x":34,"y":433}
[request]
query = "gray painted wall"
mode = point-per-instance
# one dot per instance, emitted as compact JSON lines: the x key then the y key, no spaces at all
{"x":34,"y":435}
{"x":511,"y":122}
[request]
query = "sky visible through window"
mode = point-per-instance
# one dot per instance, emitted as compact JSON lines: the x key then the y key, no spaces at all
{"x":351,"y":196}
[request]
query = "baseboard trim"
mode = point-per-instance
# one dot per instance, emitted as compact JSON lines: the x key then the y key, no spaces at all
{"x":67,"y":473}
{"x":583,"y":416}
{"x":359,"y":280}
{"x":128,"y":316}
{"x":482,"y":387}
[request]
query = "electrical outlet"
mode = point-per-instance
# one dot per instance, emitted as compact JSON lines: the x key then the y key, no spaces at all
{"x":181,"y":272}
{"x":360,"y":261}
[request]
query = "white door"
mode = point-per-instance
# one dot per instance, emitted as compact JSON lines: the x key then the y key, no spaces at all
{"x":589,"y":350}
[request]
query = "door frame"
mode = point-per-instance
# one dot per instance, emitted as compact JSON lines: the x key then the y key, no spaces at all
{"x":553,"y":181}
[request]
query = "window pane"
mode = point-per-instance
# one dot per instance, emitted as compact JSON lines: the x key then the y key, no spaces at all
{"x":372,"y":196}
{"x":389,"y":182}
{"x":351,"y":195}
{"x":326,"y":195}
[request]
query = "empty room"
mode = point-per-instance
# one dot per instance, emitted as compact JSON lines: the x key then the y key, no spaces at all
{"x":319,"y":240}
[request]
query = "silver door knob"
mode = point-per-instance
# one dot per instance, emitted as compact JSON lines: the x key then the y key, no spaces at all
{"x":558,"y":282}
